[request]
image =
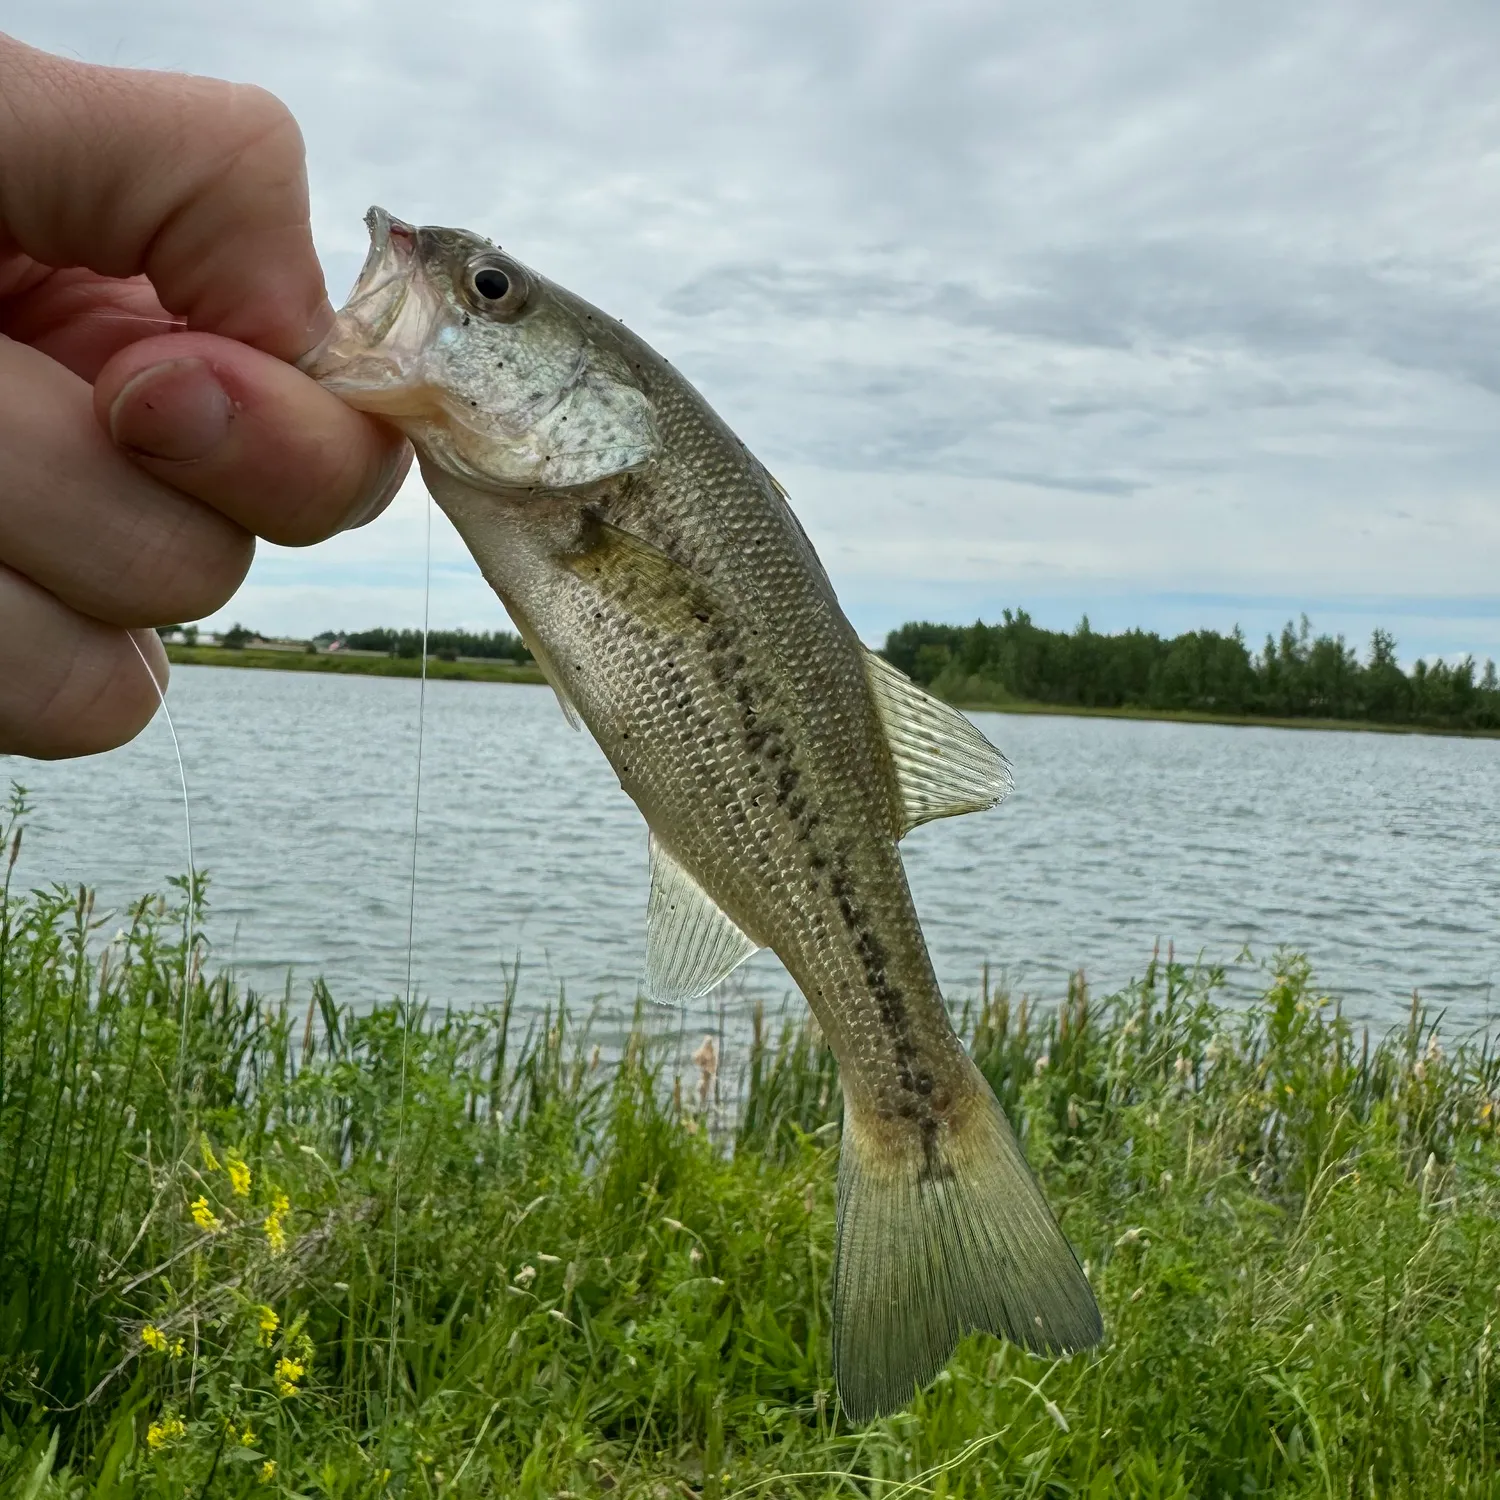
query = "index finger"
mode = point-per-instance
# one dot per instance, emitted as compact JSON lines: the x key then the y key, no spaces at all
{"x":197,"y":184}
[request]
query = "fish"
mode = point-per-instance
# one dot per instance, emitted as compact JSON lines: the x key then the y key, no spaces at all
{"x":658,"y":575}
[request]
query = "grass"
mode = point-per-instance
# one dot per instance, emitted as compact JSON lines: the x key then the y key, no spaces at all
{"x":359,"y":665}
{"x":253,"y":1248}
{"x":999,"y":704}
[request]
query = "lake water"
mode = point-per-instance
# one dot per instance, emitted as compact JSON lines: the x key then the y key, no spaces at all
{"x":1376,"y":854}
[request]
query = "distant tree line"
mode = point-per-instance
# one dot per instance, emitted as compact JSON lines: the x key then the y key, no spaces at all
{"x":449,"y":645}
{"x":494,"y":645}
{"x":1298,"y":676}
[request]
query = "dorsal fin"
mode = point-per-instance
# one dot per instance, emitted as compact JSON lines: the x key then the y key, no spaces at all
{"x":943,"y":764}
{"x":690,"y":943}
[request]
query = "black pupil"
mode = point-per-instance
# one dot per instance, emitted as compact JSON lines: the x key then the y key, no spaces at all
{"x":491,"y":284}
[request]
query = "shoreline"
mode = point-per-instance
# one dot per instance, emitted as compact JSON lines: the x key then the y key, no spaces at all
{"x":1233,"y":721}
{"x":249,"y":658}
{"x":252,"y":659}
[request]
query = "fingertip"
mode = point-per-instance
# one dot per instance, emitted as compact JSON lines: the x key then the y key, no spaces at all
{"x":108,"y":695}
{"x":70,"y":686}
{"x":147,"y":644}
{"x":389,"y":477}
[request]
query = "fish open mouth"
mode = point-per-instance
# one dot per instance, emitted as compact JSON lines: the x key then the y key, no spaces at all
{"x":371,"y":355}
{"x":527,"y":400}
{"x":380,"y":291}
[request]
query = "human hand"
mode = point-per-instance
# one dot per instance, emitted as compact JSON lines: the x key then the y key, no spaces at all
{"x":154,"y":244}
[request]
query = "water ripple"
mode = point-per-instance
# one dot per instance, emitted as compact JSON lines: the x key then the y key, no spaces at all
{"x":1374,"y":853}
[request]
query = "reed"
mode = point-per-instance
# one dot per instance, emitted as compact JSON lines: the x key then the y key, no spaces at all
{"x":610,"y":1280}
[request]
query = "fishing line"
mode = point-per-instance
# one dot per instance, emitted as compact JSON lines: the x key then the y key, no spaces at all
{"x":411,"y":927}
{"x":190,"y":921}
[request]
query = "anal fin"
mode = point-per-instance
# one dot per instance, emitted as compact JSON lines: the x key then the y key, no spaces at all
{"x":691,"y":944}
{"x":944,"y":766}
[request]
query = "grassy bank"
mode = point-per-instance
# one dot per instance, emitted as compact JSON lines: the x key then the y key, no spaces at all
{"x":471,"y":671}
{"x":286,"y":1250}
{"x":362,"y":666}
{"x":1001,"y":705}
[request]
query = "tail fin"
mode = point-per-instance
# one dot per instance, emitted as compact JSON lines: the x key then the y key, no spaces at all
{"x":935,"y":1243}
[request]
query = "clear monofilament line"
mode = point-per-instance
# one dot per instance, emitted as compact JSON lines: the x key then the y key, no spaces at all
{"x":190,"y":920}
{"x":411,"y":928}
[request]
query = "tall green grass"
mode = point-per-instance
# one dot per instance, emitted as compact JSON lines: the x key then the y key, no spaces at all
{"x":239,"y":1258}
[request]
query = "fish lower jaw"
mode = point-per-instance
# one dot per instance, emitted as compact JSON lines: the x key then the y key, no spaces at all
{"x":382,"y":394}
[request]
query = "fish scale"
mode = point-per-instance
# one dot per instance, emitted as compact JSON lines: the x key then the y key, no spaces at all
{"x":678,"y":608}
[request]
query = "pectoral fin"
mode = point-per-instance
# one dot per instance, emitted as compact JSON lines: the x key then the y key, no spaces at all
{"x":690,"y":943}
{"x":554,"y":680}
{"x":944,"y":766}
{"x":632,"y":572}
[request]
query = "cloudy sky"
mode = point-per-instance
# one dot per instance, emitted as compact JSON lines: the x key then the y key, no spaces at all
{"x":1177,"y":314}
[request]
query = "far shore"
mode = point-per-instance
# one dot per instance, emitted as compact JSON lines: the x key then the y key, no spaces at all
{"x":465,"y":669}
{"x":1244,"y":721}
{"x":470,"y":669}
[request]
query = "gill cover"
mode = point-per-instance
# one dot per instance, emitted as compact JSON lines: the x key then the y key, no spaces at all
{"x":594,"y":424}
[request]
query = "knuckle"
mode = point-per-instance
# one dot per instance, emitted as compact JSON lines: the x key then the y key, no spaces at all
{"x":261,"y":115}
{"x":263,"y":130}
{"x":230,"y":129}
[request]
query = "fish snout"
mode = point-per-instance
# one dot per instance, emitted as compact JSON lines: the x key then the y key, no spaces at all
{"x":372,"y":357}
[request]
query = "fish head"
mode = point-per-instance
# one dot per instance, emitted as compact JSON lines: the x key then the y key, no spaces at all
{"x":498,"y":376}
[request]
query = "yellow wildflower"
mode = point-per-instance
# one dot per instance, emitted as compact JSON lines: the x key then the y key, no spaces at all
{"x":247,"y":1437}
{"x":268,"y":1471}
{"x":288,"y":1373}
{"x":268,"y":1323}
{"x":153,"y":1338}
{"x":275,"y":1225}
{"x":239,"y":1176}
{"x":178,"y":1348}
{"x":209,"y":1159}
{"x":164,"y":1431}
{"x":205,"y":1218}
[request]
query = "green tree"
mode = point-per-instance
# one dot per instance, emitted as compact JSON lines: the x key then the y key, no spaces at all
{"x":1296,"y":674}
{"x":237,"y":636}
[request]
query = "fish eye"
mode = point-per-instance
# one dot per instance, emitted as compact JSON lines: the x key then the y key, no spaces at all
{"x":496,"y":286}
{"x":491,"y":283}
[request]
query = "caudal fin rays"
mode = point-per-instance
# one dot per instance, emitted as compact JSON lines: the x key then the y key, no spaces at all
{"x":931,"y":1248}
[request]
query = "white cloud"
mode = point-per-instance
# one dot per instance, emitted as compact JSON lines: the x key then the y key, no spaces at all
{"x":1026,"y":303}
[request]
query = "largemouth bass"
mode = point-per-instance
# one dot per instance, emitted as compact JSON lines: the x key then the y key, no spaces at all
{"x":658,"y":575}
